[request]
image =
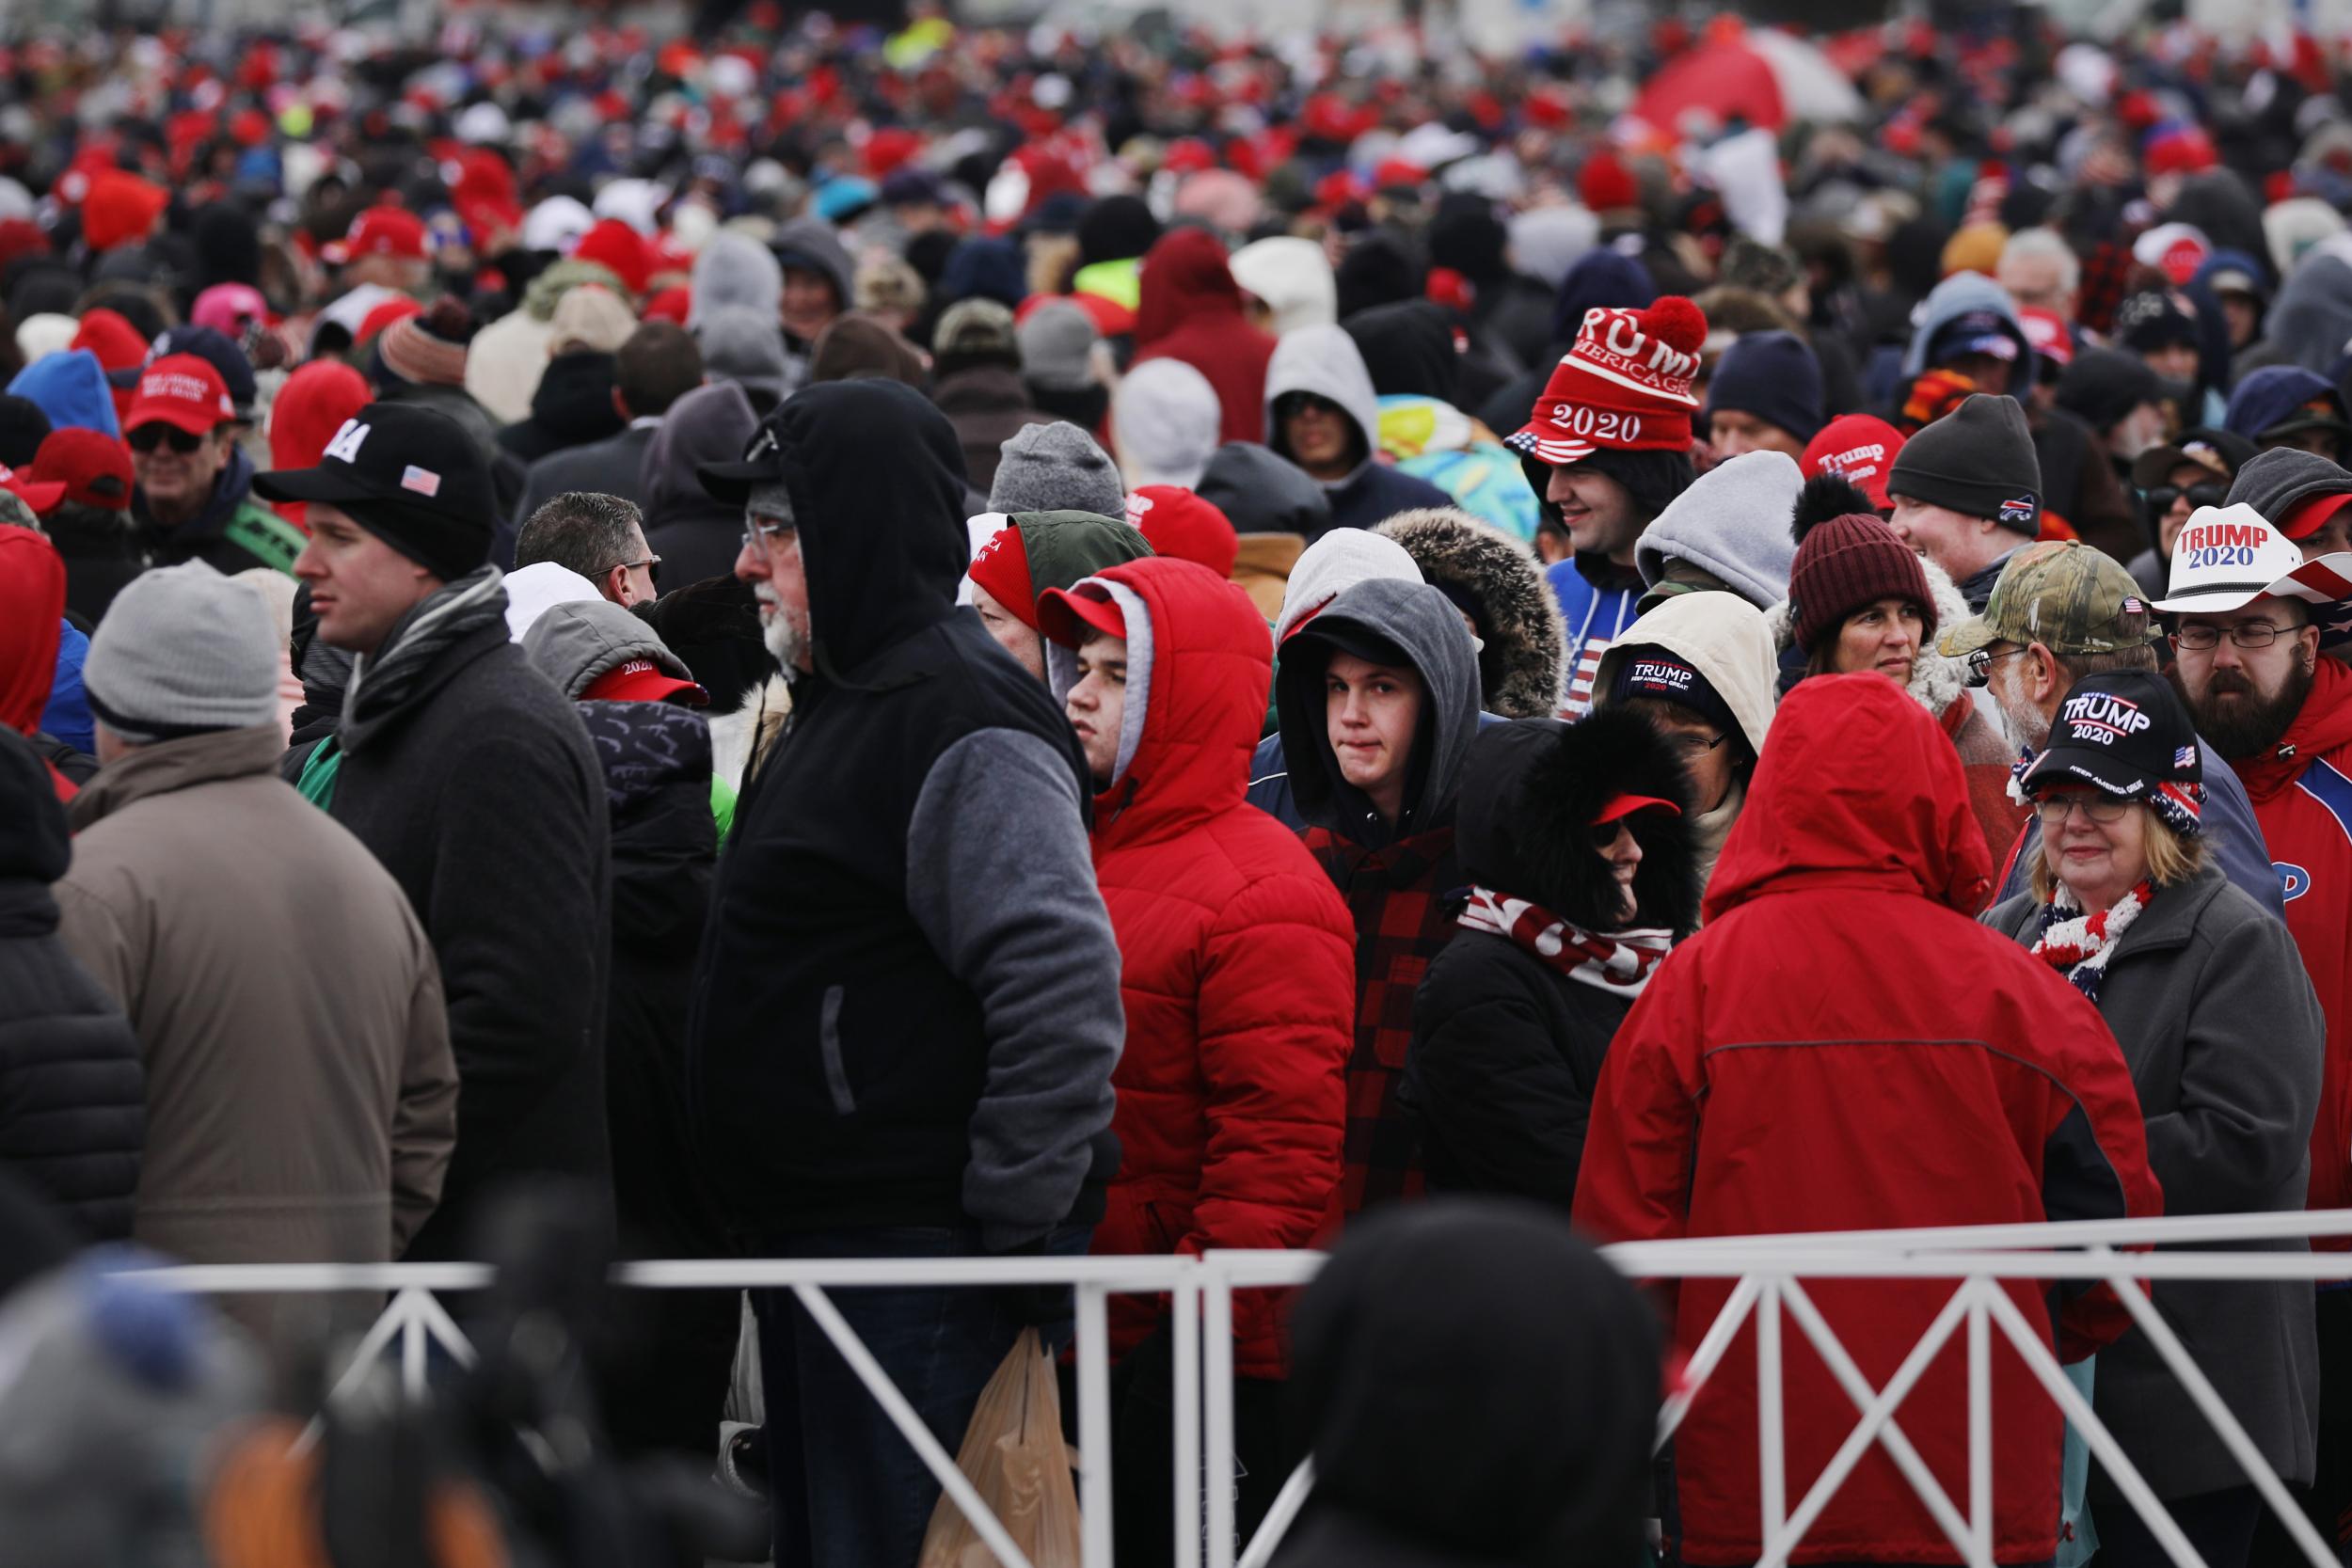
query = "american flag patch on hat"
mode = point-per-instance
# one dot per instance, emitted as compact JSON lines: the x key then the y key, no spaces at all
{"x":424,"y":481}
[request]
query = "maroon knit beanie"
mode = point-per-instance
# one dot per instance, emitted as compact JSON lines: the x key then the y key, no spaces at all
{"x":1847,"y":562}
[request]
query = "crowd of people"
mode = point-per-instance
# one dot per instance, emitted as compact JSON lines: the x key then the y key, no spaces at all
{"x":828,"y":643}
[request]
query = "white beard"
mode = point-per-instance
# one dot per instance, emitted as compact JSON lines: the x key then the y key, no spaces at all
{"x":787,"y":636}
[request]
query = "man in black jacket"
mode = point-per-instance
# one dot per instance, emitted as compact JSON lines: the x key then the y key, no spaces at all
{"x":907,"y":1006}
{"x":469,"y":777}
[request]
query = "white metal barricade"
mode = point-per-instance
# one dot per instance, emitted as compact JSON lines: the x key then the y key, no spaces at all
{"x":1768,"y":1273}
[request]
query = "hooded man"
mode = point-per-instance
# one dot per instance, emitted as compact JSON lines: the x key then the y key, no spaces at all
{"x":469,"y":777}
{"x":1494,"y":582}
{"x":1322,"y":413}
{"x":1237,"y":971}
{"x":1606,"y":450}
{"x":1838,"y":936}
{"x":32,"y":594}
{"x":1378,"y":699}
{"x":819,"y":285}
{"x":907,"y":1011}
{"x":242,"y":929}
{"x":1970,"y":340}
{"x":2285,"y":407}
{"x":1729,"y":532}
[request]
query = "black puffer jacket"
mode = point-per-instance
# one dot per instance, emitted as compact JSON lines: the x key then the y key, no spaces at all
{"x":1506,"y":1047}
{"x":73,"y":1115}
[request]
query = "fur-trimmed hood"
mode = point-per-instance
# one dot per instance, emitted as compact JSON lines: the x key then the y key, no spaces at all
{"x":1936,"y":682}
{"x":1530,"y":790}
{"x":1522,"y":668}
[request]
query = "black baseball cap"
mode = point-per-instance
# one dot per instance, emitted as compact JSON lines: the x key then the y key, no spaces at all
{"x":208,"y":344}
{"x":2126,"y":735}
{"x":409,"y":475}
{"x":762,"y":462}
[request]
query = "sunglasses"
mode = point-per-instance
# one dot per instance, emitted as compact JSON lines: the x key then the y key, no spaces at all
{"x":150,"y":436}
{"x":2160,"y":500}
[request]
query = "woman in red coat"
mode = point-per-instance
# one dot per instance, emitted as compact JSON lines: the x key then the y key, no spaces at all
{"x":1188,"y":307}
{"x":1238,"y":970}
{"x":1865,"y":1059}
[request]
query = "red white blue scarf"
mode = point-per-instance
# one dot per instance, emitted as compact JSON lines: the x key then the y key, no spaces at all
{"x":1619,"y":962}
{"x":2082,"y":945}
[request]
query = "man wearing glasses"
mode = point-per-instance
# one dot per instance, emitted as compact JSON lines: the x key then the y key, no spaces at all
{"x":907,"y":1006}
{"x":599,"y":536}
{"x":2246,"y":638}
{"x":193,"y":497}
{"x":2061,"y":613}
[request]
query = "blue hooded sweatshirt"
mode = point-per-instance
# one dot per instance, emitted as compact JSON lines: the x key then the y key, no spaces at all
{"x":71,"y":388}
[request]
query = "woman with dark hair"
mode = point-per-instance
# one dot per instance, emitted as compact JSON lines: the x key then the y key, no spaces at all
{"x":1577,"y":841}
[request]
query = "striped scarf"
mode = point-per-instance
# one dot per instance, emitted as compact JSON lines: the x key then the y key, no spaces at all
{"x":1619,"y":962}
{"x":2083,"y":945}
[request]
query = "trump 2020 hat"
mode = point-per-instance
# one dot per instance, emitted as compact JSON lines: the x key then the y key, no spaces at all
{"x":2126,"y":735}
{"x":408,"y":475}
{"x":2227,"y":557}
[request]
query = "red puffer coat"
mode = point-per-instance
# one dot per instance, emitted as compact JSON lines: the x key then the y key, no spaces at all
{"x":1840,"y":1048}
{"x":1237,"y":959}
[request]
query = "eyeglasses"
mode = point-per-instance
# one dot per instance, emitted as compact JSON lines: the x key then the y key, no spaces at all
{"x":652,"y":564}
{"x":2247,"y":634}
{"x":2160,"y":500}
{"x":1693,"y":747}
{"x":759,"y":536}
{"x":2102,"y":809}
{"x":149,"y":436}
{"x":1980,"y":663}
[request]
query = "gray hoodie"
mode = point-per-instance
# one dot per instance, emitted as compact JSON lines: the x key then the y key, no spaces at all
{"x":736,"y":269}
{"x":578,"y":643}
{"x":1733,"y":525}
{"x":1955,"y":296}
{"x":1421,"y":624}
{"x":1323,"y":360}
{"x":812,"y":242}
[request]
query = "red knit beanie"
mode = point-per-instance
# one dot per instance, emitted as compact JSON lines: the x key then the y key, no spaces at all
{"x":1845,"y":563}
{"x":1624,"y":386}
{"x":1002,"y":567}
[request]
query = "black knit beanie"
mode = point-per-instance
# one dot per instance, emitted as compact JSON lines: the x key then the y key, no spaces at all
{"x":1978,"y":460}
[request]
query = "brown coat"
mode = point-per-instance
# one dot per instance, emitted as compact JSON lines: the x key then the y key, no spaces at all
{"x":301,"y":1099}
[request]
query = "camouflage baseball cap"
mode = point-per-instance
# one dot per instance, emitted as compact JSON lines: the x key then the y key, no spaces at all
{"x":2063,"y":594}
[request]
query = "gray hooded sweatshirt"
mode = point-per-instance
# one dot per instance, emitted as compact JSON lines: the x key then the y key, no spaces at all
{"x":578,"y":643}
{"x":1324,"y":360}
{"x":1420,"y":623}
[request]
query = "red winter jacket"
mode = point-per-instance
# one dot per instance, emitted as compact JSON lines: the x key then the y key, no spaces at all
{"x":32,"y":616}
{"x":2302,"y":796}
{"x":1236,"y":961}
{"x":1842,"y":1048}
{"x":1189,"y":309}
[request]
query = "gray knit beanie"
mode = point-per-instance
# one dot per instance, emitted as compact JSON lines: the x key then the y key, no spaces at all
{"x":1056,"y":468}
{"x":183,"y":650}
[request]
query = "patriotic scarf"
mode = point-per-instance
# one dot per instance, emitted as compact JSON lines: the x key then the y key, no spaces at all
{"x":1618,"y":962}
{"x":2082,"y":945}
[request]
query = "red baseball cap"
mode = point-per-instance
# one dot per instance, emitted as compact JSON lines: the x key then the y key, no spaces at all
{"x":643,"y":681}
{"x":1621,"y":806}
{"x":1061,"y":610}
{"x":183,"y":392}
{"x":2048,"y":334}
{"x":2301,"y":521}
{"x":384,"y":231}
{"x":90,"y":467}
{"x":381,"y":316}
{"x":1002,"y":567}
{"x":1860,"y":447}
{"x":39,"y":497}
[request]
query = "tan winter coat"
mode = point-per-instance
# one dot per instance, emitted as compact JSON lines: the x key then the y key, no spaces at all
{"x":301,"y":1098}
